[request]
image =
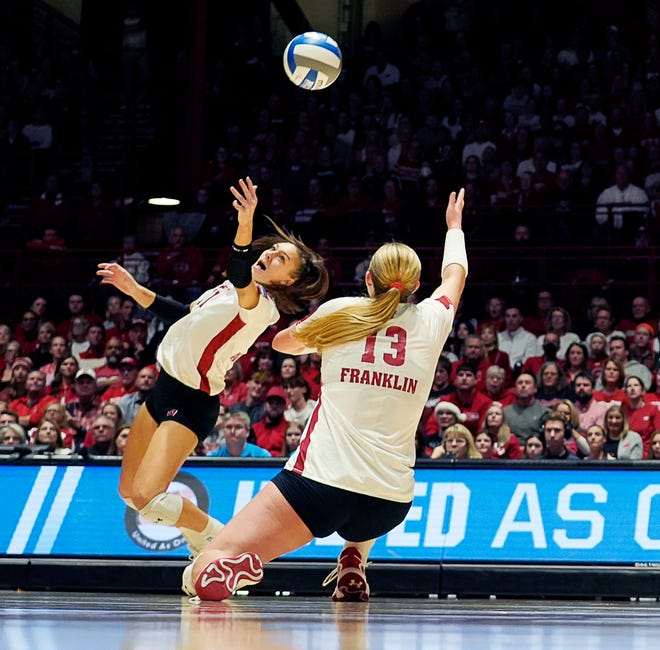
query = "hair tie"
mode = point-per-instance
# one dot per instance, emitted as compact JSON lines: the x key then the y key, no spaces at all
{"x":396,"y":285}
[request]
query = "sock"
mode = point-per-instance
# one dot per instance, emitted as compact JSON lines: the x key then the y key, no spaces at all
{"x":197,"y":540}
{"x":364,"y":548}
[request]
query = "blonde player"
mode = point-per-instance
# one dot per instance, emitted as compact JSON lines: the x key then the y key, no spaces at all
{"x":196,"y":352}
{"x":353,"y":470}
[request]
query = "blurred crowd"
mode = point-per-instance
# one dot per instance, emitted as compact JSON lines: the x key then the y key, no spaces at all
{"x":553,"y":130}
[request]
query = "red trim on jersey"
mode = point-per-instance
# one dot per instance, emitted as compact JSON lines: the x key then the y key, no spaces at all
{"x":206,"y":360}
{"x":443,"y":300}
{"x":302,"y":452}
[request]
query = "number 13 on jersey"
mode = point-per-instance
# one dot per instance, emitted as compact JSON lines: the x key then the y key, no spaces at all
{"x":393,"y":354}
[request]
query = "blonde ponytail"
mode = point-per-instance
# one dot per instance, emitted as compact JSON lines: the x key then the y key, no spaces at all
{"x":394,"y":270}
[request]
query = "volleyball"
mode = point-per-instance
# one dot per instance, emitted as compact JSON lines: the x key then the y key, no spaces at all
{"x":312,"y":60}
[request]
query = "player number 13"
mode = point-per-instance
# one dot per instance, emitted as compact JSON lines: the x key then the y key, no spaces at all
{"x":396,"y":353}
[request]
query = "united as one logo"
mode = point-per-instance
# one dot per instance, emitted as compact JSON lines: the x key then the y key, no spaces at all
{"x":163,"y":539}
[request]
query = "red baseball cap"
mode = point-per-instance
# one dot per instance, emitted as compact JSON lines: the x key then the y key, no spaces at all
{"x":277,"y":391}
{"x":128,"y":361}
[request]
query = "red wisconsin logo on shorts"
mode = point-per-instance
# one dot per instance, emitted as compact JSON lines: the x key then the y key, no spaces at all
{"x":171,"y":413}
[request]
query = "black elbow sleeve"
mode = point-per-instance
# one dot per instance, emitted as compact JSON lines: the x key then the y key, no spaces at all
{"x":168,"y":310}
{"x":239,"y":266}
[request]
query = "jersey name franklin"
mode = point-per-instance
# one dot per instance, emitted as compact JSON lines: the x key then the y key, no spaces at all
{"x":382,"y":379}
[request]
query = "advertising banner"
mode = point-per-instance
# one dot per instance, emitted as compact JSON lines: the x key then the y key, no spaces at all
{"x":481,"y":514}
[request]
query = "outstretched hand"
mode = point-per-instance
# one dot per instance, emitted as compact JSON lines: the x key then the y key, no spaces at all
{"x":454,"y":212}
{"x":116,"y":275}
{"x":245,"y":201}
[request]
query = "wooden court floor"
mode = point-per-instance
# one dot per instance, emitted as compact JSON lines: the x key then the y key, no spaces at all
{"x":98,"y":621}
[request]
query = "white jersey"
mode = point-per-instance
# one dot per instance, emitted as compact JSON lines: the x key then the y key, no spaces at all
{"x":199,"y":348}
{"x":361,"y":435}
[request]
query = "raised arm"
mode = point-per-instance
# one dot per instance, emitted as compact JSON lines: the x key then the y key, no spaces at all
{"x":117,"y":276}
{"x":454,"y":261}
{"x":239,"y":267}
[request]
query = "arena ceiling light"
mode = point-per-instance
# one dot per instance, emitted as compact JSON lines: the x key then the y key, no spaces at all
{"x":163,"y":201}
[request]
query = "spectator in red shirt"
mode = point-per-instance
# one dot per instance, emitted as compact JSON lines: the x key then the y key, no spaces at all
{"x":611,"y":381}
{"x":653,"y":396}
{"x":30,"y":408}
{"x":505,"y":443}
{"x":310,"y":369}
{"x":128,"y":370}
{"x":62,"y":386}
{"x":56,"y":411}
{"x":654,"y":447}
{"x":270,"y":430}
{"x":108,"y":374}
{"x":492,"y":353}
{"x":235,"y":389}
{"x":642,"y":417}
{"x":494,"y":314}
{"x":96,"y":338}
{"x":495,"y":387}
{"x":473,"y":355}
{"x":122,"y":321}
{"x":58,"y":350}
{"x":468,"y":399}
{"x":50,"y":240}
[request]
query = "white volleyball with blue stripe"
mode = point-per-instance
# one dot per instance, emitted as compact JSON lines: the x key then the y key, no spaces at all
{"x":312,"y":60}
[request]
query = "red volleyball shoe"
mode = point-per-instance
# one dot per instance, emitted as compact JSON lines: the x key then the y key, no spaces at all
{"x":221,"y":578}
{"x":352,"y":585}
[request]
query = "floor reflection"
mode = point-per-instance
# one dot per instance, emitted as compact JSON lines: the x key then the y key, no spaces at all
{"x":65,"y":621}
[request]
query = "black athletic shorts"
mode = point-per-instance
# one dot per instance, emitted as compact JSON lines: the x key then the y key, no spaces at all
{"x":193,"y":408}
{"x":325,"y":509}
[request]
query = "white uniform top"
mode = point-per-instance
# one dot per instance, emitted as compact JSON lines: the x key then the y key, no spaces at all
{"x":361,"y":435}
{"x":199,"y":348}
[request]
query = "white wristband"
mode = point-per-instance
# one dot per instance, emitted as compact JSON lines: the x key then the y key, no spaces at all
{"x":454,"y":250}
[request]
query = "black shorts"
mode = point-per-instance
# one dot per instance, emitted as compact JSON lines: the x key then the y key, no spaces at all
{"x":193,"y":408}
{"x":325,"y":509}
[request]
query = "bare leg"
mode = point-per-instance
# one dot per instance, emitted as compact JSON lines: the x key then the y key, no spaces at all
{"x":267,"y":526}
{"x":139,"y":438}
{"x":152,"y":458}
